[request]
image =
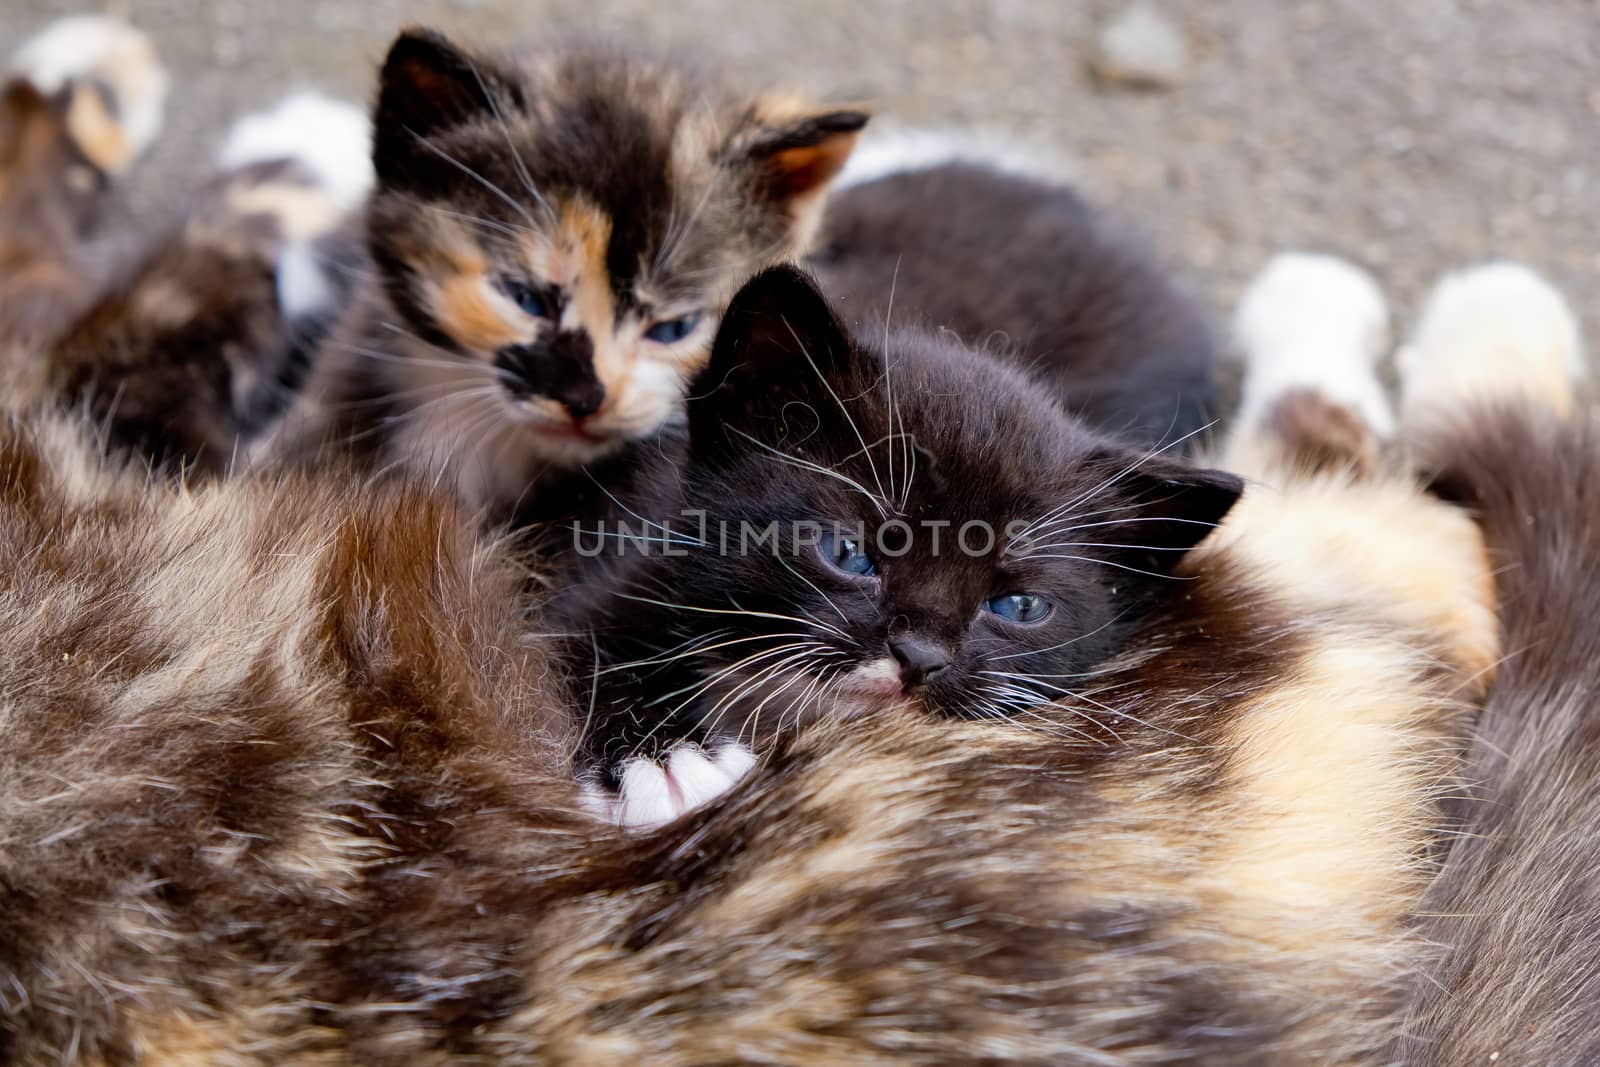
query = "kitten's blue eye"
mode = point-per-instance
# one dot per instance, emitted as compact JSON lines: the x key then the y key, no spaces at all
{"x":1020,"y":607}
{"x":527,"y":298}
{"x":845,"y":554}
{"x":670,"y":331}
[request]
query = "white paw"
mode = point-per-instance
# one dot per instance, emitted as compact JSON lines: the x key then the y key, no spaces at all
{"x":1494,"y":330}
{"x":110,"y":52}
{"x":654,"y":793}
{"x":1313,"y":322}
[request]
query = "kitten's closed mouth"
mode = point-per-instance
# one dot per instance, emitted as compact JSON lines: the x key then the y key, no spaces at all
{"x":870,"y":689}
{"x":572,"y":431}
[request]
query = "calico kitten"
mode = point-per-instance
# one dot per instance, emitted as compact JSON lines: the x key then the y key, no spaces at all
{"x":168,"y":353}
{"x":552,"y":239}
{"x":285,"y":778}
{"x":871,"y":521}
{"x":79,"y":104}
{"x":169,"y":356}
{"x":1026,"y":269}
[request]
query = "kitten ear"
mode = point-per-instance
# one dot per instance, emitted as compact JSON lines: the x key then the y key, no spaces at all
{"x":428,"y":85}
{"x":778,"y":345}
{"x":793,"y":154}
{"x":1175,"y":506}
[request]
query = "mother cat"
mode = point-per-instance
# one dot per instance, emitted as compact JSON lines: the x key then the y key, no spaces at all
{"x":285,"y":779}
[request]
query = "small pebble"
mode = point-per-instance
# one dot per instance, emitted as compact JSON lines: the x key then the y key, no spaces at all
{"x":1141,"y":49}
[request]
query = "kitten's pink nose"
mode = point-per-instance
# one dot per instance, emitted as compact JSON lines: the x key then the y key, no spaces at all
{"x":919,"y":659}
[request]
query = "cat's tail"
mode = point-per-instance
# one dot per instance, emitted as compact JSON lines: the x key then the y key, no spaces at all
{"x":1492,"y":409}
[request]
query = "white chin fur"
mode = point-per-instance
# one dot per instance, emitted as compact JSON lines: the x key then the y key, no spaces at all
{"x":654,"y":794}
{"x":897,"y":150}
{"x":1495,"y":330}
{"x":1313,"y":322}
{"x":109,"y":51}
{"x":331,"y":139}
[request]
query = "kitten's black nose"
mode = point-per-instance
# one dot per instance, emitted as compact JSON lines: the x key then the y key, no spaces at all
{"x":581,"y":398}
{"x":919,"y":660}
{"x":572,"y":379}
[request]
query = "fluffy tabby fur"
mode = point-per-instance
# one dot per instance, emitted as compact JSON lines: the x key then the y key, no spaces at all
{"x":286,"y":778}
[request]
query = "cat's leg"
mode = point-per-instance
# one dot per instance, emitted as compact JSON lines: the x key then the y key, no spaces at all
{"x":1310,"y":331}
{"x":1497,"y":333}
{"x":1324,"y":518}
{"x":79,"y":104}
{"x":193,"y":351}
{"x":653,"y":792}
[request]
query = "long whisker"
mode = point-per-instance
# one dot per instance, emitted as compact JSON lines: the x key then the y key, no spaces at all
{"x":1124,"y":472}
{"x":698,"y":650}
{"x":511,"y":147}
{"x":737,"y":612}
{"x":475,"y":176}
{"x":817,"y":468}
{"x":814,"y":588}
{"x":1118,"y":566}
{"x":862,"y":441}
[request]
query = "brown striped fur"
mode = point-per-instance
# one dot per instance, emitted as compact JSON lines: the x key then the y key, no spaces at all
{"x":286,"y":779}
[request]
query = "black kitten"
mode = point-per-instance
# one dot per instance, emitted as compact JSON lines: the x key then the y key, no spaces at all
{"x":1028,"y":270}
{"x":868,"y":522}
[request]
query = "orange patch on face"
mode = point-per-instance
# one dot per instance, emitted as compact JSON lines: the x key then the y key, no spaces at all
{"x":465,"y":310}
{"x":585,"y":237}
{"x":463,"y":301}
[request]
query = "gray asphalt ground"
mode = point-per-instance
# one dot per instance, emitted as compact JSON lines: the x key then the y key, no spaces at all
{"x":1413,"y":136}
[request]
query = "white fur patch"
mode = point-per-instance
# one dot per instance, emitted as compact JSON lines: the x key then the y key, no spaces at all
{"x":331,"y":139}
{"x":109,"y":51}
{"x":303,"y":287}
{"x":1313,"y":322}
{"x":654,"y":794}
{"x":1494,"y":330}
{"x":898,"y":150}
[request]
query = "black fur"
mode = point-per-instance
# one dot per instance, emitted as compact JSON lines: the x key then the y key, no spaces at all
{"x":792,"y":416}
{"x":1032,"y":271}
